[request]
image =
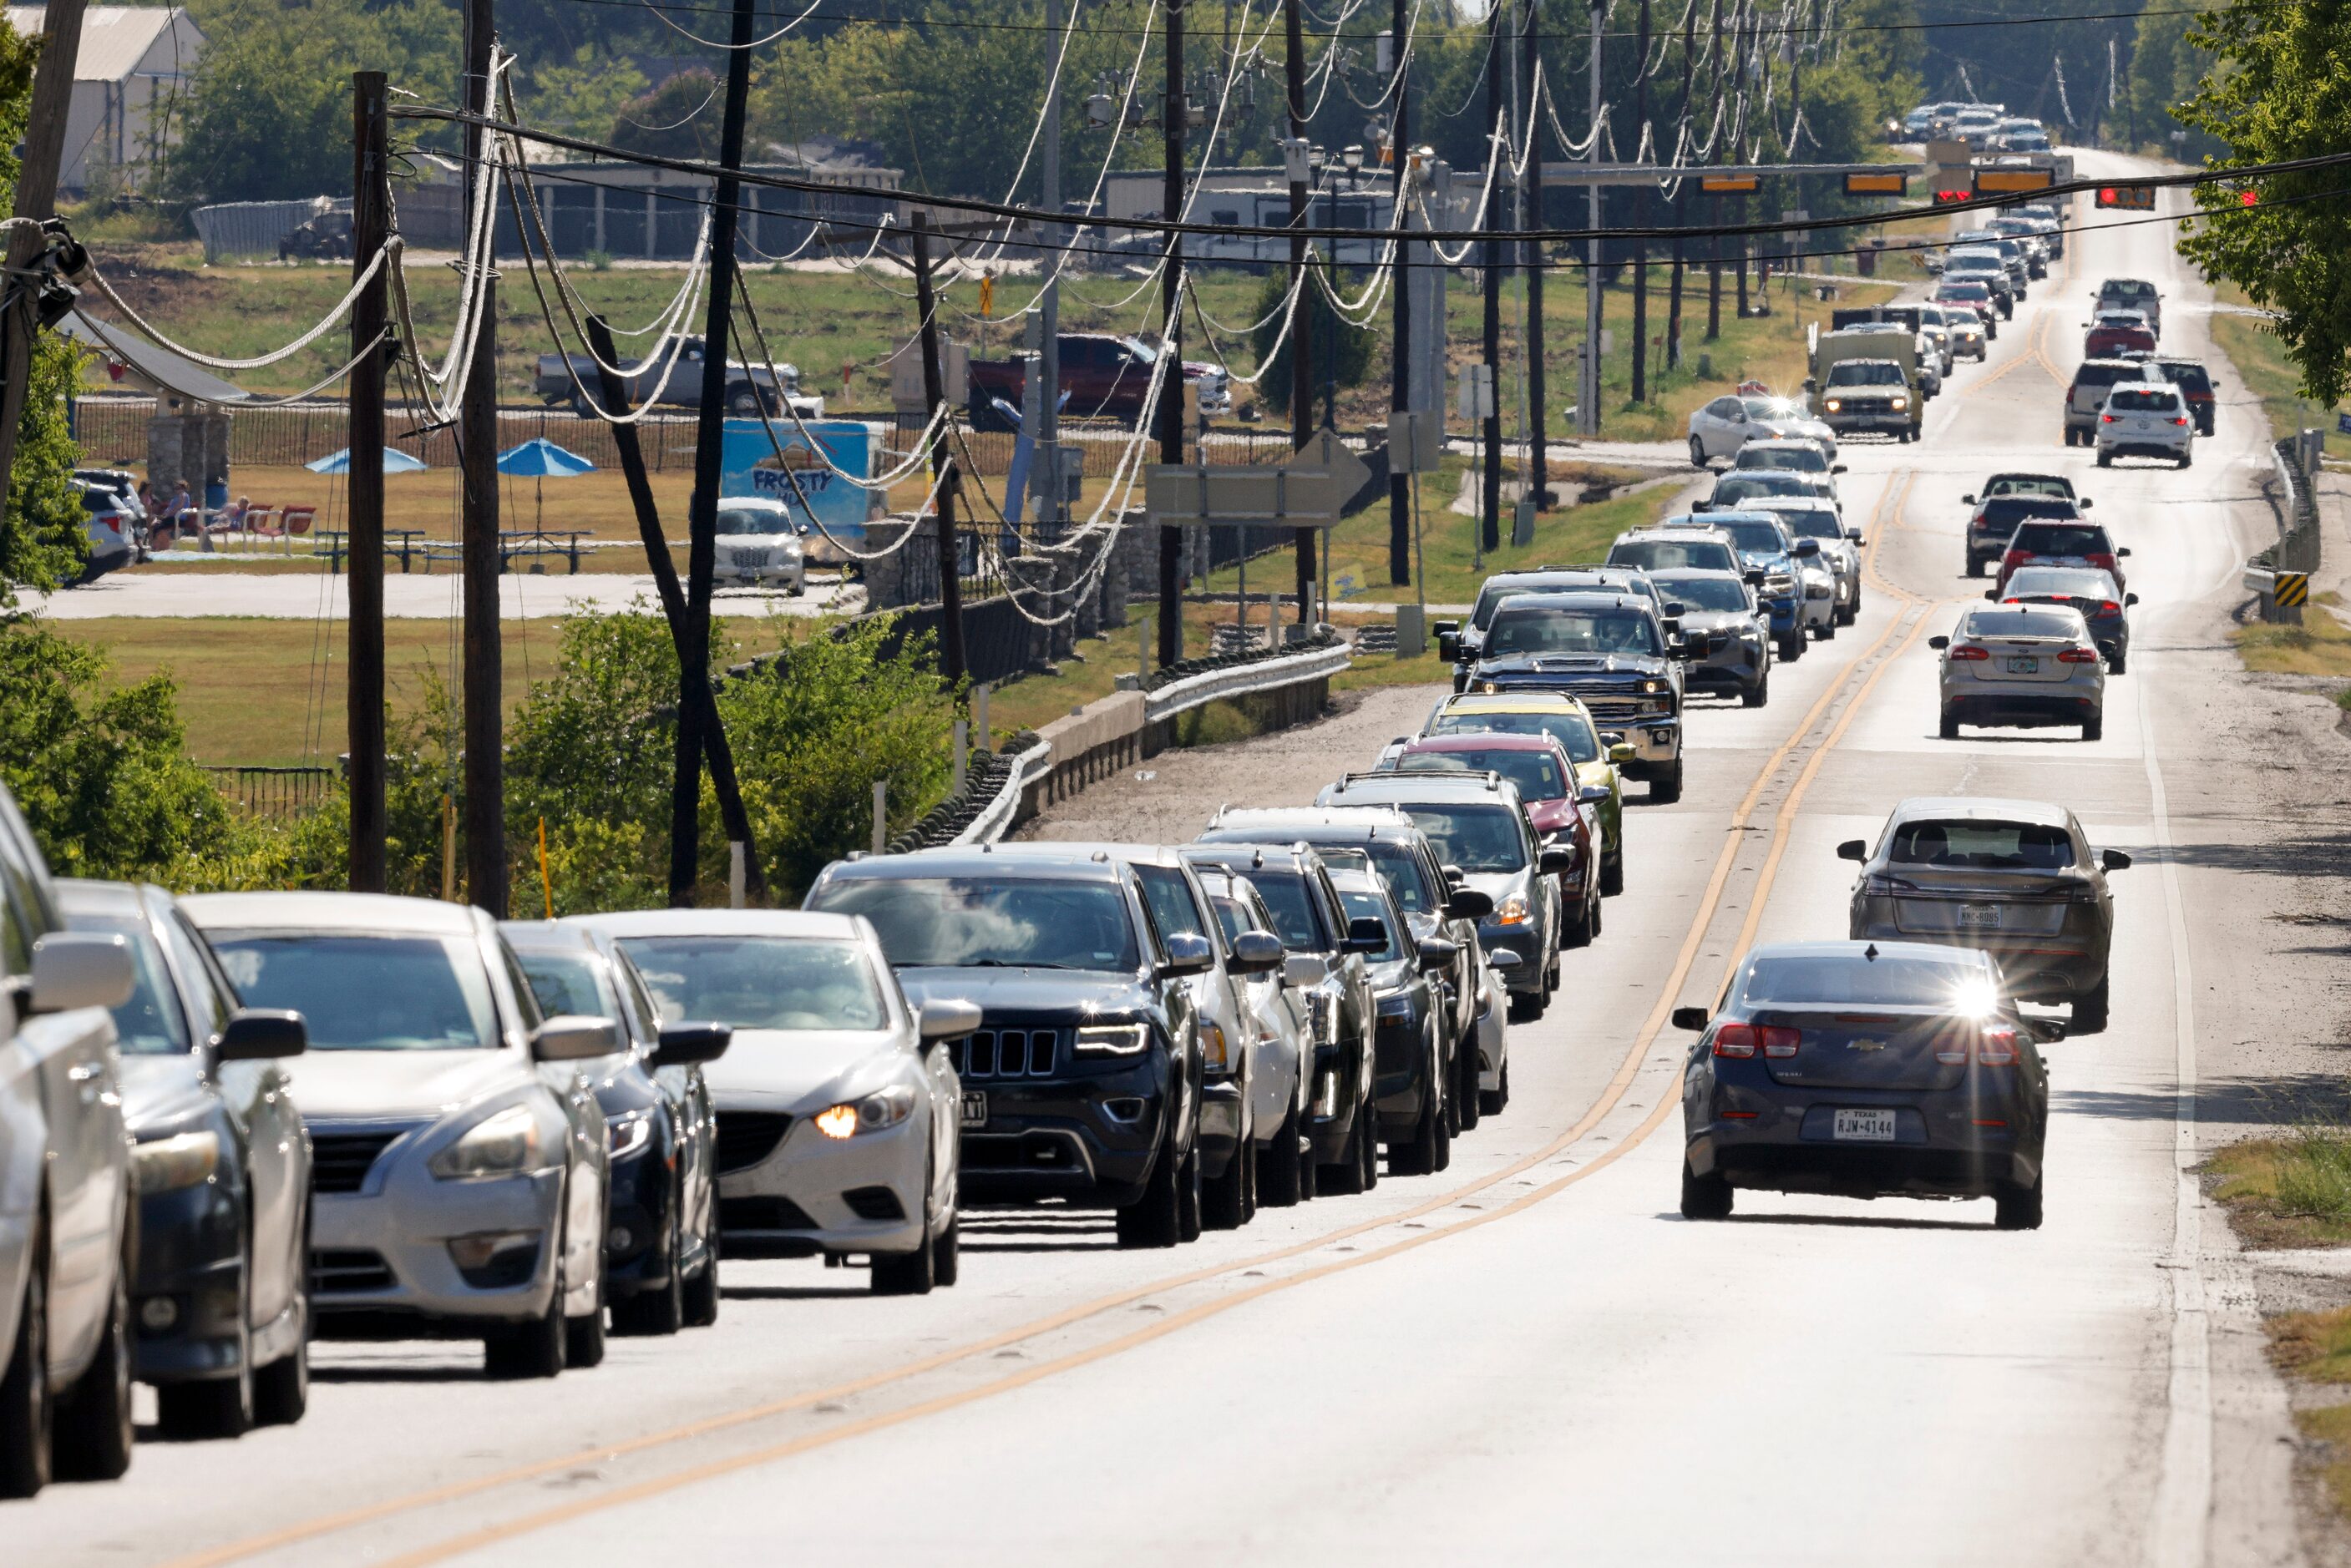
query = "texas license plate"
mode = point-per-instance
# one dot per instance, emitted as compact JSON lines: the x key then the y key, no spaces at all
{"x":975,"y":1108}
{"x":1980,"y":917}
{"x":2024,"y":664}
{"x":1866,"y":1126}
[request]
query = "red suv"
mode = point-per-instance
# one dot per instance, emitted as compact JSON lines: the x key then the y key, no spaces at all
{"x":2110,"y":336}
{"x":2055,"y":543}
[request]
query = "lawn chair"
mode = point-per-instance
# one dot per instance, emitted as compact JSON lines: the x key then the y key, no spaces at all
{"x":294,"y":520}
{"x":257,"y":524}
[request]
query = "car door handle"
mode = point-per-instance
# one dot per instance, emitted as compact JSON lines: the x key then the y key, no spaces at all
{"x":85,"y":1072}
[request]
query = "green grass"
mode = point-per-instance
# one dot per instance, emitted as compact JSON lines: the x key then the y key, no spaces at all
{"x":2321,"y":645}
{"x":2261,"y":360}
{"x":2290,"y":1189}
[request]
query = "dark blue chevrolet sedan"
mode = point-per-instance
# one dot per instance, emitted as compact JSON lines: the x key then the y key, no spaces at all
{"x":1863,"y":1070}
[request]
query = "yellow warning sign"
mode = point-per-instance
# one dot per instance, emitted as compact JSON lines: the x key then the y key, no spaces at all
{"x":2293,"y":589}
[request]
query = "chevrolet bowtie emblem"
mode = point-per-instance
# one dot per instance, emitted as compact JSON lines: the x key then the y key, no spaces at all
{"x":1865,"y":1046}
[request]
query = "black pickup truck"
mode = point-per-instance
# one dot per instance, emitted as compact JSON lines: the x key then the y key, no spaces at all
{"x":683,"y":386}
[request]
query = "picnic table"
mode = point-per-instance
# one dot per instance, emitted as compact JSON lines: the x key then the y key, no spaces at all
{"x":564,"y":542}
{"x":404,"y":541}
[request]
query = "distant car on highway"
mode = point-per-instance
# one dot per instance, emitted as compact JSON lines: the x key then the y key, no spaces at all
{"x":1284,"y":1024}
{"x":2146,"y":419}
{"x":1995,"y":519}
{"x":2016,"y":879}
{"x":1599,"y":758}
{"x":2086,"y":395}
{"x":1799,"y":601}
{"x":1964,"y":328}
{"x":1977,"y":296}
{"x":1719,"y":427}
{"x":1562,"y":810}
{"x":1724,"y":602}
{"x":2056,"y":542}
{"x":2022,"y":666}
{"x":2132,"y":294}
{"x":1865,"y":1069}
{"x":1870,"y":396}
{"x":1793,"y":454}
{"x":2112,"y":333}
{"x":2195,"y":382}
{"x":2094,"y":592}
{"x":1458,"y":641}
{"x":1808,"y":517}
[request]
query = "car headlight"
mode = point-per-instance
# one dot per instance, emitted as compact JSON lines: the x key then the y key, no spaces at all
{"x":1900,"y":404}
{"x":1511,"y":911}
{"x":1397,"y":1006}
{"x":1834,"y":404}
{"x":503,"y":1144}
{"x":1212,"y":1047}
{"x":628,"y":1133}
{"x":1652,"y":686}
{"x":884,"y":1108}
{"x":169,"y":1164}
{"x":1112,"y":1039}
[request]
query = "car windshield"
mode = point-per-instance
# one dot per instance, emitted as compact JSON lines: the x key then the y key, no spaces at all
{"x":753,"y":520}
{"x":1801,"y":459}
{"x":1667,"y":554}
{"x":1407,"y":881}
{"x":1573,"y":730}
{"x":1838,"y":979}
{"x":1361,"y":906}
{"x":1865,"y":373}
{"x":367,"y":992}
{"x":1475,"y":837}
{"x":150,"y":1023}
{"x":1537,"y":773}
{"x":1982,"y":845}
{"x":2193,"y":378}
{"x":1971,"y":293}
{"x":955,"y":923}
{"x":1768,"y":409}
{"x":1548,"y":630}
{"x":565,"y":982}
{"x":1490,"y":598}
{"x":1757,"y":538}
{"x":1748,"y":483}
{"x":2131,"y":400}
{"x":1292,"y":907}
{"x":2060,"y":539}
{"x":760,"y":983}
{"x":1704,"y":594}
{"x":2059,"y":583}
{"x":1810,"y":523}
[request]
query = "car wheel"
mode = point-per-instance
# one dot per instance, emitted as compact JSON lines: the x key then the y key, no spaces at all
{"x":1224,"y":1200}
{"x":2017,"y":1208}
{"x":2106,"y":460}
{"x":2119,"y":663}
{"x":93,"y":1429}
{"x":2089,"y":1014}
{"x":1418,"y":1154}
{"x":533,"y":1349}
{"x":1153,"y":1220}
{"x":1949,"y":728}
{"x":1704,"y":1197}
{"x":702,"y":1294}
{"x":1449,"y":1126}
{"x":1579,"y":932}
{"x":1844,"y":615}
{"x":1697,"y":452}
{"x":2185,"y":458}
{"x":2095,"y":729}
{"x":661,"y":1311}
{"x":1493,"y":1102}
{"x":281,"y":1391}
{"x":217,"y":1407}
{"x":1597,"y":907}
{"x":1792,"y":647}
{"x":742,"y":402}
{"x":1828,"y":631}
{"x":27,"y":1415}
{"x":1279,"y":1170}
{"x":1368,"y":1146}
{"x":1188,"y":1194}
{"x":1346,"y":1179}
{"x":1464,"y":1096}
{"x":1757,"y":695}
{"x":1612,"y":874}
{"x":1668,"y":789}
{"x":583,"y":1336}
{"x":906,"y":1274}
{"x":1975,"y":565}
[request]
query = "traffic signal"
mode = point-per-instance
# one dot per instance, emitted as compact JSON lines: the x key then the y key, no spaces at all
{"x":2131,"y":197}
{"x":1946,"y":197}
{"x":1728,"y":184}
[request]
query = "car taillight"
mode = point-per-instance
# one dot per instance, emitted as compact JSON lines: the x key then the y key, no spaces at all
{"x":1967,"y":653}
{"x":1996,"y":1045}
{"x":2180,"y":419}
{"x":1780,"y":1044}
{"x":2108,"y":606}
{"x":1879,"y":885}
{"x":1739,"y":1042}
{"x":2108,"y":418}
{"x":2078,"y":655}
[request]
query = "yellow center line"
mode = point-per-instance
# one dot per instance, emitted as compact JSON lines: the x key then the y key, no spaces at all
{"x":1620,"y":1080}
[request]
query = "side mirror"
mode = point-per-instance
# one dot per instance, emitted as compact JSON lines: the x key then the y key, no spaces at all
{"x":1469,"y":904}
{"x":2114,"y":860}
{"x":692,"y":1044}
{"x":1938,"y":643}
{"x":1188,"y":954}
{"x":2122,"y":550}
{"x":262,"y":1034}
{"x":1552,"y":862}
{"x":2083,"y":502}
{"x":942,"y":1018}
{"x":1967,"y":500}
{"x":1853,"y":536}
{"x":1692,"y":1019}
{"x":1453,"y":875}
{"x":1836,"y":468}
{"x":1256,"y":952}
{"x":1852,"y":849}
{"x":1671,"y":625}
{"x":1701,"y":505}
{"x":1503,"y":958}
{"x":1807,"y":548}
{"x":1623,"y":751}
{"x":1303,"y":972}
{"x":1436,"y":953}
{"x":2129,"y":599}
{"x":1674,"y":613}
{"x":1444,"y":627}
{"x":2051,"y":1030}
{"x":574,"y":1037}
{"x":1448,"y":647}
{"x":1365,"y":934}
{"x":80,"y":969}
{"x":1595,"y":794}
{"x":1992,"y":593}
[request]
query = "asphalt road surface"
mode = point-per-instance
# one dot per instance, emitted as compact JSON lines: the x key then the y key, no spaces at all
{"x":1530,"y":1358}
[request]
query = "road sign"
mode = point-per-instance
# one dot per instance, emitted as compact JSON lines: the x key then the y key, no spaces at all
{"x":2131,"y":197}
{"x":1877,"y":185}
{"x":1308,"y":491}
{"x":2291,"y":590}
{"x":2001,"y":181}
{"x":1728,"y":184}
{"x":2342,"y":423}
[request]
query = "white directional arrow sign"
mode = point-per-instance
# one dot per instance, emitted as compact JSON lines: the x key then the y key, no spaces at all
{"x":1304,"y":493}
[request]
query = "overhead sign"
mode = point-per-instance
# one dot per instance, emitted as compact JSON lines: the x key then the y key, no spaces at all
{"x":1877,"y":185}
{"x":1729,"y":184}
{"x":2001,"y":181}
{"x":2131,"y":197}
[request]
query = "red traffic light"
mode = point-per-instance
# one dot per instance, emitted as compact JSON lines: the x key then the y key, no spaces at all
{"x":1945,"y":198}
{"x":2131,"y":197}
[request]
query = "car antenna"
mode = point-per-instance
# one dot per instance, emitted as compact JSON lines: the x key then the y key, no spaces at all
{"x":1870,"y":952}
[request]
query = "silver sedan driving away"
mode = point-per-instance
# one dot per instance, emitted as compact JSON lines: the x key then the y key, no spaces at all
{"x":2022,"y":665}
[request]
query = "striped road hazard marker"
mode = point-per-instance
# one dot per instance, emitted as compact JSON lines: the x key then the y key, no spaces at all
{"x":2293,"y":589}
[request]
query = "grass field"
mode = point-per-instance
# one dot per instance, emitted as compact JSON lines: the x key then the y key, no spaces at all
{"x":2270,"y":376}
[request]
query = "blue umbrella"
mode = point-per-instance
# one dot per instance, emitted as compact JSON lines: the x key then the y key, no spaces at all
{"x":543,"y":459}
{"x":394,"y":461}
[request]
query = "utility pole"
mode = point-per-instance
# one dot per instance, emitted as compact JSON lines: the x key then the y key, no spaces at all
{"x":1681,"y":196}
{"x":1048,"y":450}
{"x":1640,"y":219}
{"x":1400,"y":375}
{"x":1302,"y":310}
{"x":1714,"y":241}
{"x":477,"y":454}
{"x":363,"y":700}
{"x":36,"y":198}
{"x":1594,"y":281}
{"x":1531,"y":256}
{"x":1490,"y":509}
{"x":1170,"y":375}
{"x":709,"y":460}
{"x":1745,"y":206}
{"x":951,"y":660}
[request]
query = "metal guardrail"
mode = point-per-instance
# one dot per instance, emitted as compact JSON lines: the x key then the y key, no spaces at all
{"x":995,"y":819}
{"x":1240,"y":680}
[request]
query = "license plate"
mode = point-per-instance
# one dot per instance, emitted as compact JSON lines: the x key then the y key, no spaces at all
{"x":1980,"y":917}
{"x":975,"y":1108}
{"x":2024,"y":664}
{"x":1866,"y":1126}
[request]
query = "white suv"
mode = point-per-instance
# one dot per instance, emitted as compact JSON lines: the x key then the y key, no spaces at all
{"x":2146,"y":419}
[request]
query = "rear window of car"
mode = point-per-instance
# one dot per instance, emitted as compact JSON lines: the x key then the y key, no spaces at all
{"x":2132,"y":401}
{"x":2017,"y":508}
{"x":1571,"y":731}
{"x":797,"y":984}
{"x":2189,"y":378}
{"x":1800,"y":458}
{"x":2104,"y":376}
{"x":2027,"y":484}
{"x":2062,"y":539}
{"x":1806,"y":523}
{"x":2060,"y":583}
{"x":1727,"y":594}
{"x":1667,"y":554}
{"x":1475,"y":837}
{"x":1971,"y":846}
{"x":1838,"y":980}
{"x":1537,"y":773}
{"x":2025,"y":620}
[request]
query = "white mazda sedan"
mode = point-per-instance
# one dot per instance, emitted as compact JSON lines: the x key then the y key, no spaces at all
{"x":838,"y":1127}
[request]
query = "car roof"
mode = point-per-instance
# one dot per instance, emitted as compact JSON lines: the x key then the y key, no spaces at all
{"x":547,"y":935}
{"x":1510,"y":702}
{"x":1859,"y":950}
{"x":1434,"y":786}
{"x":2018,"y":475}
{"x":1567,"y":598}
{"x":1485,"y":739}
{"x":365,"y":914}
{"x":88,"y":897}
{"x":722,"y":923}
{"x":1062,"y":862}
{"x":1292,"y":820}
{"x":1978,"y":808}
{"x":1290,"y":856}
{"x":2143,"y":387}
{"x":1766,"y":444}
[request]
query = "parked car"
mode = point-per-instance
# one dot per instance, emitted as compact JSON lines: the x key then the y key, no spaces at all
{"x":838,"y":1109}
{"x":1865,"y":1069}
{"x":2016,"y":879}
{"x":66,"y":1226}
{"x":2195,"y":383}
{"x":324,"y":236}
{"x":670,"y":375}
{"x":660,"y":1250}
{"x":1410,"y":1081}
{"x":1562,"y":810}
{"x":1102,"y":376}
{"x":2022,"y":666}
{"x":458,"y":1168}
{"x":221,"y":1163}
{"x":1598,"y":759}
{"x":1807,"y":517}
{"x":760,"y":544}
{"x":2056,"y":542}
{"x":2102,"y":604}
{"x":1724,"y":602}
{"x":111,"y":533}
{"x":2146,"y":419}
{"x":1283,"y":1022}
{"x":1326,"y":962}
{"x":1081,"y":1077}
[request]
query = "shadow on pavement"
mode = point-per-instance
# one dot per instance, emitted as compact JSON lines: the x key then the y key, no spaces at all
{"x":1848,"y":1221}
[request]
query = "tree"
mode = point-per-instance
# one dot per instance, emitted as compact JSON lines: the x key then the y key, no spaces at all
{"x":679,"y":118}
{"x":2167,"y":67}
{"x":2280,"y":89}
{"x":42,"y":538}
{"x":1341,"y":349}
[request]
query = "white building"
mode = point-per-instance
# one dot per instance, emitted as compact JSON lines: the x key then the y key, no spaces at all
{"x":130,"y":86}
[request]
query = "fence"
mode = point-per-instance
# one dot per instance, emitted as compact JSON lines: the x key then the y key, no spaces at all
{"x":253,"y":228}
{"x":2298,"y":531}
{"x":274,"y":792}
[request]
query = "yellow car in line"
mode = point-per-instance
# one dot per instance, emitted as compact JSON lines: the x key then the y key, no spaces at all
{"x":1566,"y":720}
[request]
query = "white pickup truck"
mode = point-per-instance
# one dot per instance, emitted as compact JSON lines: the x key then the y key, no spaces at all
{"x":65,"y":1239}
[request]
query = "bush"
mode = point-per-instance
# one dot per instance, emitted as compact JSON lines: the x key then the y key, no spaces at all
{"x":1355,"y":344}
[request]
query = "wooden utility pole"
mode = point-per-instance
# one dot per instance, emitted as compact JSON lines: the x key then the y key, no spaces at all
{"x":613,"y":393}
{"x":477,"y":455}
{"x":1746,"y":206}
{"x":709,"y":462}
{"x":1530,"y":257}
{"x":1595,"y":278}
{"x":1302,"y":313}
{"x":1490,"y":509}
{"x":1172,"y":116}
{"x":1681,"y":198}
{"x":363,"y":703}
{"x":1714,"y":241}
{"x":36,"y":198}
{"x":1400,"y":285}
{"x":951,"y":652}
{"x":1640,"y":219}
